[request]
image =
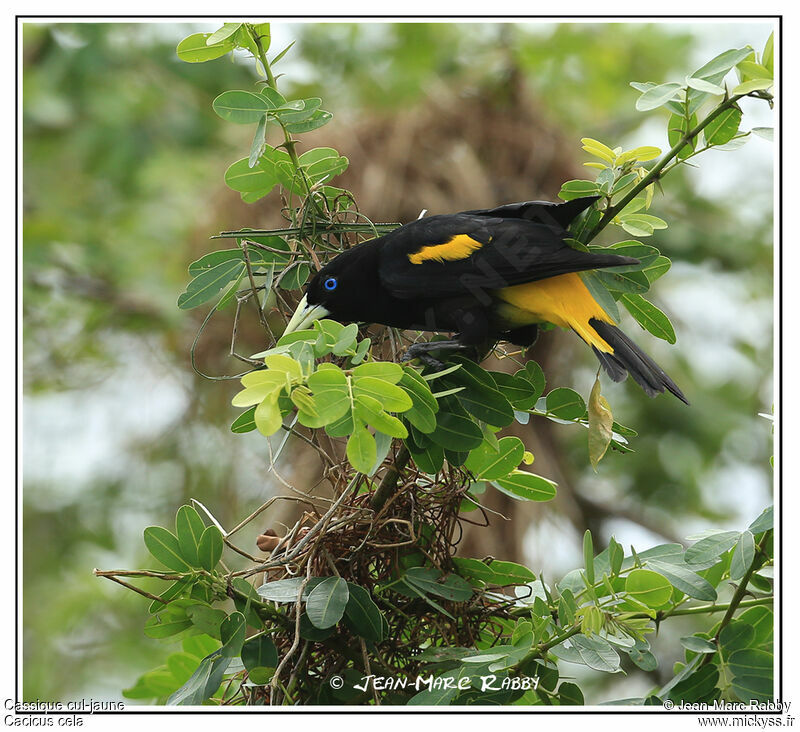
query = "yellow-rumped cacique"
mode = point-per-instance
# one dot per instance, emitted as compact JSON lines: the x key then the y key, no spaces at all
{"x":485,"y":275}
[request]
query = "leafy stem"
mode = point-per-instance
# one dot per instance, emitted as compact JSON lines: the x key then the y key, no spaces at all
{"x":741,"y":589}
{"x":289,"y":143}
{"x":657,"y":170}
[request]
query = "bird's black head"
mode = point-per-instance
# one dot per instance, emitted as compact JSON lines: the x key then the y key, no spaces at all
{"x":340,"y":289}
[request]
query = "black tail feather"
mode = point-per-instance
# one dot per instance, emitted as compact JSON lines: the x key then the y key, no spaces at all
{"x":629,"y":357}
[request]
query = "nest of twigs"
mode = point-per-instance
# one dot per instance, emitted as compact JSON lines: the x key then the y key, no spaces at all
{"x":367,"y":535}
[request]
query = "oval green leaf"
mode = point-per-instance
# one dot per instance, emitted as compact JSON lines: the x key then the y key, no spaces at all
{"x":326,"y":603}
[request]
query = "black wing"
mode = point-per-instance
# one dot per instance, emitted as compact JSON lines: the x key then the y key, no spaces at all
{"x":467,"y":253}
{"x":543,"y":212}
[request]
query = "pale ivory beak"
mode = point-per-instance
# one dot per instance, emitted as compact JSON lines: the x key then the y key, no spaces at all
{"x":305,"y":315}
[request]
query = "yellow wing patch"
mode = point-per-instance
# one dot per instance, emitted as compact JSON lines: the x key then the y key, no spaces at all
{"x":460,"y":246}
{"x":562,"y":300}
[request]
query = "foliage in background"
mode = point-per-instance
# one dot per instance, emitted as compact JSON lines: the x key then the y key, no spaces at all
{"x":122,"y":160}
{"x":392,"y":538}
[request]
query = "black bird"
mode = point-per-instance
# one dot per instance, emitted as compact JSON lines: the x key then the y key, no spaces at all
{"x":487,"y":275}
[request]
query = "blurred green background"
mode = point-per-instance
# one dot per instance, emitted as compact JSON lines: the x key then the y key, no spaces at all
{"x":123,"y":161}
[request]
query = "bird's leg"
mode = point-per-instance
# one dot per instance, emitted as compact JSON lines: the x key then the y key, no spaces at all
{"x":421,"y":351}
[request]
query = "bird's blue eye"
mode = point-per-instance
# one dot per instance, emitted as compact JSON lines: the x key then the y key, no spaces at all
{"x":330,"y":284}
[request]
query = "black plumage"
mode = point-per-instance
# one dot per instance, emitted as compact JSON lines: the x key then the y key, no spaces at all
{"x":486,"y":275}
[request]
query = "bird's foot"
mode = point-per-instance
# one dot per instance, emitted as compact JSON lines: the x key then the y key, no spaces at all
{"x":422,"y":351}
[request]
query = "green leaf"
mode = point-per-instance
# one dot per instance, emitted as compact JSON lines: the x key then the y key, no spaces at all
{"x":209,"y":550}
{"x":723,"y":128}
{"x":752,"y":70}
{"x":204,"y":682}
{"x":362,"y":615}
{"x":596,"y":653}
{"x":600,"y":293}
{"x":526,"y":486}
{"x":258,"y":655}
{"x":189,"y":528}
{"x":565,"y":403}
{"x":274,"y":97}
{"x":760,"y":688}
{"x":648,"y":587}
{"x":383,"y":370}
{"x":241,"y":107}
{"x":570,"y":694}
{"x":319,"y":118}
{"x":573,"y":189}
{"x":644,"y":153}
{"x":520,"y":391}
{"x":282,"y":53}
{"x":588,"y":556}
{"x":286,"y":590}
{"x":704,"y":86}
{"x":657,"y":269}
{"x":616,"y":555}
{"x":227,"y":30}
{"x":598,"y":149}
{"x":768,"y":54}
{"x":176,"y":589}
{"x":624,"y":182}
{"x":698,"y":645}
{"x":267,"y":416}
{"x":456,"y":432}
{"x":327,"y":601}
{"x":392,"y":397}
{"x":743,"y":554}
{"x":427,"y":580}
{"x":479,"y":395}
{"x":533,"y":373}
{"x":762,"y":621}
{"x":369,"y":410}
{"x":429,"y":460}
{"x":206,"y":619}
{"x":677,"y":127}
{"x":232,"y":632}
{"x":763,"y":523}
{"x":711,"y":547}
{"x":751,"y":662}
{"x":473,"y":569}
{"x":632,"y":282}
{"x":509,"y":573}
{"x":323,"y":163}
{"x":259,"y":142}
{"x":208,"y":284}
{"x":765,"y":132}
{"x":167,"y":623}
{"x":696,"y":687}
{"x":487,"y":463}
{"x":600,"y":424}
{"x":258,"y":257}
{"x":685,"y":580}
{"x":163,"y":545}
{"x":716,"y":69}
{"x":195,"y":48}
{"x":310,"y":105}
{"x":423,"y":404}
{"x":657,"y":96}
{"x":649,"y":317}
{"x":442,"y":690}
{"x":735,"y":636}
{"x":361,"y":451}
{"x":241,"y":177}
{"x":746,"y":87}
{"x":331,"y":393}
{"x":673,"y":106}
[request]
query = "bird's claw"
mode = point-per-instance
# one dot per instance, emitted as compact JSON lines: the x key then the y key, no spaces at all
{"x":419,"y":351}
